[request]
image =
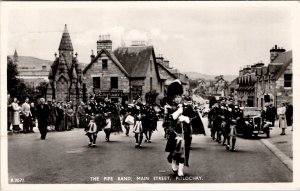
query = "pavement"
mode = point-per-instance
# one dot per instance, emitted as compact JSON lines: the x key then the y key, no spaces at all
{"x":281,"y":145}
{"x":65,"y":157}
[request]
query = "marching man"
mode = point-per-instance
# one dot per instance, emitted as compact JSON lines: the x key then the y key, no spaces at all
{"x":178,"y":134}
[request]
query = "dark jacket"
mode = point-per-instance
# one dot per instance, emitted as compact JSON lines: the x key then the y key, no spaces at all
{"x":42,"y":112}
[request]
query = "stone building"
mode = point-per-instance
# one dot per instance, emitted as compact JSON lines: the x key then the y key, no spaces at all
{"x":31,"y":70}
{"x":105,"y":75}
{"x":216,"y":87}
{"x":126,"y":72}
{"x":65,"y":76}
{"x":140,"y":63}
{"x":122,"y":74}
{"x":274,"y":82}
{"x":231,"y":90}
{"x":164,"y":72}
{"x":246,"y":89}
{"x":260,"y":84}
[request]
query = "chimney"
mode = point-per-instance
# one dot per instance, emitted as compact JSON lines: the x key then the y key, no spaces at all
{"x":160,"y":59}
{"x":274,"y":52}
{"x":253,"y":68}
{"x":92,"y":56}
{"x":104,"y":42}
{"x":167,"y":63}
{"x":260,"y":64}
{"x":138,"y":43}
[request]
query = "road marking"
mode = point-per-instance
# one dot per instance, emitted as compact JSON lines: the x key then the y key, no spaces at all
{"x":283,"y":157}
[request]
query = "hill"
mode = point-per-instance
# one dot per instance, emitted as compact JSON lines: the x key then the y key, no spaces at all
{"x":197,"y":75}
{"x":29,"y":62}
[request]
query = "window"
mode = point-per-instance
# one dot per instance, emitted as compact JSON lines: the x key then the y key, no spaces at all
{"x":287,"y":80}
{"x":114,"y":82}
{"x":96,"y":82}
{"x":150,"y":65}
{"x":150,"y":83}
{"x":104,"y":64}
{"x":137,"y":91}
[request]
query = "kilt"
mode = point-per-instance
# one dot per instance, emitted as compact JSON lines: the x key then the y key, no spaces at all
{"x":115,"y":124}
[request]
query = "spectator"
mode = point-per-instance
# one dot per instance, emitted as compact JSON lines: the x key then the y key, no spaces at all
{"x":26,"y":115}
{"x":16,"y":115}
{"x":33,"y":117}
{"x":289,"y":114}
{"x":282,"y":119}
{"x":9,"y":113}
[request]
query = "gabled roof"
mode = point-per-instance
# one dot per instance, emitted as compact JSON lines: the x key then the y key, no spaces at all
{"x":112,"y":57}
{"x":234,"y":82}
{"x":274,"y":68}
{"x":135,"y":59}
{"x":165,"y":69}
{"x":286,"y":58}
{"x":65,"y":43}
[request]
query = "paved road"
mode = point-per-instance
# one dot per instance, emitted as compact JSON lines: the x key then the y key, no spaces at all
{"x":64,"y":157}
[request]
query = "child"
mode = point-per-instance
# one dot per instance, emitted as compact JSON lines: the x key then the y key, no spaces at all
{"x":107,"y":128}
{"x":91,"y":132}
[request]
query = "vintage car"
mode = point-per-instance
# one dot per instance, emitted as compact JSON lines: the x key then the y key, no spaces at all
{"x":251,"y":123}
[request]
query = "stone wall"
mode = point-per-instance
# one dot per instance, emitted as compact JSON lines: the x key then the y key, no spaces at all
{"x":95,"y":70}
{"x":284,"y":94}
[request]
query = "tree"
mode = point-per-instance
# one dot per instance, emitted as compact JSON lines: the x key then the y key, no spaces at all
{"x":16,"y":87}
{"x":42,"y":88}
{"x":12,"y":80}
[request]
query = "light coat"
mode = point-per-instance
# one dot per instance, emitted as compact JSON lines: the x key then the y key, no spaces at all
{"x":282,"y":118}
{"x":16,"y":114}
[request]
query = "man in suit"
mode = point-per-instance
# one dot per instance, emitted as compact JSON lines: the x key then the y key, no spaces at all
{"x":43,"y":113}
{"x":26,"y":115}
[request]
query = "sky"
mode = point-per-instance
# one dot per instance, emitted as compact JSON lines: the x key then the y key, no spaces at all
{"x":195,"y":37}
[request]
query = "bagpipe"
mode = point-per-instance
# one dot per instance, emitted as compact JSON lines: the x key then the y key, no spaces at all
{"x":183,"y":115}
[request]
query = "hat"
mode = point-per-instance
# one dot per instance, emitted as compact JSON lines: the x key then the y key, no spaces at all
{"x":174,"y":89}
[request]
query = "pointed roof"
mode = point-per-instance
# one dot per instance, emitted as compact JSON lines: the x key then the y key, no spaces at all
{"x":111,"y":56}
{"x":65,"y":43}
{"x":286,"y":59}
{"x":15,"y":54}
{"x":162,"y":77}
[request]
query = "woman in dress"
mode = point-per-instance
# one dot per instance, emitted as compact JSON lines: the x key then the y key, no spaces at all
{"x":60,"y":117}
{"x":282,"y":118}
{"x":53,"y":114}
{"x":69,"y":117}
{"x":16,"y":115}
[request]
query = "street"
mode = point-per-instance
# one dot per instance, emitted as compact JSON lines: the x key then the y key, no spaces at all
{"x":64,"y":157}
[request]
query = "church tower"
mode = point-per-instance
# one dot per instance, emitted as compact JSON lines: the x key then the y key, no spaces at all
{"x":16,"y":57}
{"x":65,"y":74}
